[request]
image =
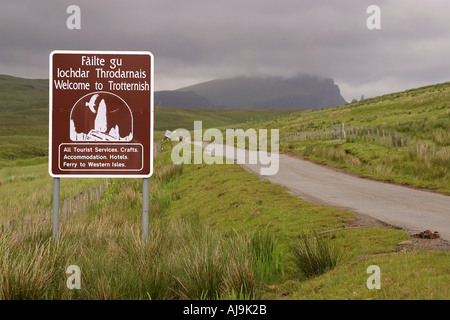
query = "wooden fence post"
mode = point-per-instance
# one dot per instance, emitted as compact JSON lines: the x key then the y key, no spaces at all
{"x":75,"y":205}
{"x":390,"y":141}
{"x":409,"y":144}
{"x":80,"y":202}
{"x":43,"y":217}
{"x":86,"y":194}
{"x":66,"y":207}
{"x":30,"y":225}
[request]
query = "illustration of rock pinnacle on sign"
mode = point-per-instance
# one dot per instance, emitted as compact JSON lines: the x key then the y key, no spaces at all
{"x":101,"y":116}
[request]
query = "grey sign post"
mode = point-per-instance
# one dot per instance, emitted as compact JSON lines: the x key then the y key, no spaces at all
{"x":55,"y":218}
{"x":145,"y":204}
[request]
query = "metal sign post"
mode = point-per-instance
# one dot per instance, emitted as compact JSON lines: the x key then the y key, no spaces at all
{"x":55,"y":219}
{"x":145,"y":204}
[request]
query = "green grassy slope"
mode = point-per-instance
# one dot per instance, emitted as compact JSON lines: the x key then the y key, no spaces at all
{"x":203,"y":222}
{"x":230,"y":201}
{"x":23,"y":118}
{"x":174,"y":118}
{"x":423,"y":112}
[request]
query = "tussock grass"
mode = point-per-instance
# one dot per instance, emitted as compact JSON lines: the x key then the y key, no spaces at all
{"x":380,"y":162}
{"x":169,"y":172}
{"x":206,"y":246}
{"x":203,"y":263}
{"x":314,"y":256}
{"x":230,"y":266}
{"x":183,"y":259}
{"x":30,"y":269}
{"x":268,"y":255}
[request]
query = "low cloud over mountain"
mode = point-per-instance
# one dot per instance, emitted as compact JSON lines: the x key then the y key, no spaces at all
{"x":300,"y":92}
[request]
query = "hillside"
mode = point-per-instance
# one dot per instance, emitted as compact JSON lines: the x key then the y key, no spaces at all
{"x":300,"y":92}
{"x":23,"y":102}
{"x":24,"y":117}
{"x":173,"y":118}
{"x":421,"y":112}
{"x":402,"y":137}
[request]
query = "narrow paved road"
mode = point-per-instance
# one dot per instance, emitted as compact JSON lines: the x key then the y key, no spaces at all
{"x":410,"y":209}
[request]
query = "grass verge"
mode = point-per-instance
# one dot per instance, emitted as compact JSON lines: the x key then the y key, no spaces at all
{"x":216,"y":233}
{"x":229,"y":200}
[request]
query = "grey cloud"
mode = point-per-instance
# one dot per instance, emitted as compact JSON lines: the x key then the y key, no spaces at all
{"x":199,"y":40}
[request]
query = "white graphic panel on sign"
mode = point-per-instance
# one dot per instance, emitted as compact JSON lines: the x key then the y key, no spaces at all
{"x":101,"y":116}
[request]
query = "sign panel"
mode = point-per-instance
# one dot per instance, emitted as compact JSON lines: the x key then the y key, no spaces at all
{"x":101,"y":114}
{"x":168,"y":134}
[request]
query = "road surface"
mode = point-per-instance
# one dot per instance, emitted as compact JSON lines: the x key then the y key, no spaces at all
{"x":409,"y":209}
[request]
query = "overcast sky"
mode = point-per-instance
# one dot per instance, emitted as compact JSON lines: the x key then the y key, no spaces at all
{"x":200,"y":40}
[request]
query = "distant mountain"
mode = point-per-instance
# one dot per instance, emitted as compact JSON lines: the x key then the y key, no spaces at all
{"x":181,"y":99}
{"x":300,"y":92}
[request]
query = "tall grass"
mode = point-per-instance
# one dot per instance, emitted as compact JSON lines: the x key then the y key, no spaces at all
{"x":169,"y":172}
{"x":314,"y":256}
{"x":232,"y":266}
{"x":383,"y":163}
{"x":30,"y":269}
{"x":202,"y":268}
{"x":183,"y":259}
{"x":267,"y":256}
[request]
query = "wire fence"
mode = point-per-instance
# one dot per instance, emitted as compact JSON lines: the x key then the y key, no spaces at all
{"x":75,"y":205}
{"x":388,"y":138}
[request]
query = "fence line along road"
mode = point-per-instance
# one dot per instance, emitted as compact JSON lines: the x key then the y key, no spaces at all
{"x":77,"y":204}
{"x":388,"y":138}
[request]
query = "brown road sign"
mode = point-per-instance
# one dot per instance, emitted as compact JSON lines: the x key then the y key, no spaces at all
{"x":101,"y":114}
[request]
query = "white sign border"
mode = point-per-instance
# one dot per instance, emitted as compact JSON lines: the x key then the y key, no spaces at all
{"x":50,"y":131}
